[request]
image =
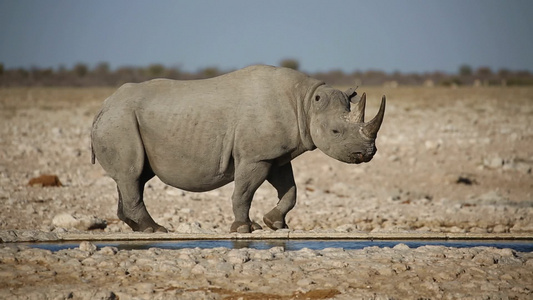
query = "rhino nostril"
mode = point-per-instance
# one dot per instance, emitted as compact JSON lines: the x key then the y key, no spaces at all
{"x":357,"y":155}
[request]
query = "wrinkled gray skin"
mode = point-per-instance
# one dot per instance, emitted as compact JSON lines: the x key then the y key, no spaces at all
{"x":245,"y":126}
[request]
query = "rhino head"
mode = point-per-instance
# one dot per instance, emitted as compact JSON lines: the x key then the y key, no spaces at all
{"x":340,"y":132}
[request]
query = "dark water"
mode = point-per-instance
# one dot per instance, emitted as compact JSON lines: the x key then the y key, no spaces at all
{"x":292,"y":245}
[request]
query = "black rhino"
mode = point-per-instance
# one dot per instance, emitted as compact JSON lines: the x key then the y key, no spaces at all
{"x":245,"y":126}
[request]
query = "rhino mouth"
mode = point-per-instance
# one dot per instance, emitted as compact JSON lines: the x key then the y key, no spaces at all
{"x":358,"y":157}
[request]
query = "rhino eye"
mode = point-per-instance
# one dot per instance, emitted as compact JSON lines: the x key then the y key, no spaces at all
{"x":317,"y":98}
{"x":335,"y":131}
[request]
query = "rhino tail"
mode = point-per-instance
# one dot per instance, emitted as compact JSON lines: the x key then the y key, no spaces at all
{"x":96,"y":118}
{"x":93,"y":157}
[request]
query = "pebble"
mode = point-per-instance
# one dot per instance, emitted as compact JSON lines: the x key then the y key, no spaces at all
{"x":238,"y":256}
{"x":68,"y":221}
{"x":87,"y":246}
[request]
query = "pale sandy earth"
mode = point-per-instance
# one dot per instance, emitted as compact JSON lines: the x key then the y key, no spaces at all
{"x":449,"y":160}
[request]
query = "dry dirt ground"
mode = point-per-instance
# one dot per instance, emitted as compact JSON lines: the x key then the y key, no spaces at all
{"x":448,"y":160}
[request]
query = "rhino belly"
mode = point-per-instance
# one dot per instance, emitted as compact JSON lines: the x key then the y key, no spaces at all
{"x":190,"y":155}
{"x":190,"y":174}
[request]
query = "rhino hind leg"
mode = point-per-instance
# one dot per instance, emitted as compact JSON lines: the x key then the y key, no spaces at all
{"x":131,"y":208}
{"x":248,"y":178}
{"x":119,"y":149}
{"x":282,"y":178}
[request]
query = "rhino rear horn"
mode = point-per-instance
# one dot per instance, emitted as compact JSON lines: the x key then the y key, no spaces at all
{"x":371,"y":128}
{"x":359,"y":110}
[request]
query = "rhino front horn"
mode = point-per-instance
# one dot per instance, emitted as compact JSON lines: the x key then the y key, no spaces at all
{"x":371,"y":128}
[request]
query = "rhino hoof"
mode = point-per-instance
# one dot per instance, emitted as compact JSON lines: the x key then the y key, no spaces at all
{"x":274,"y":220}
{"x":158,"y":229}
{"x":256,"y":226}
{"x":276,"y":225}
{"x":242,"y":227}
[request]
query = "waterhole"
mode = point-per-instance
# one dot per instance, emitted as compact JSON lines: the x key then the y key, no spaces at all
{"x":291,"y":245}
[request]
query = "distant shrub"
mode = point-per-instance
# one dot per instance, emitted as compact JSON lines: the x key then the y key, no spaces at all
{"x":81,"y":69}
{"x":465,"y":70}
{"x":102,"y":68}
{"x":156,"y":70}
{"x":102,"y":75}
{"x":519,"y":81}
{"x":451,"y":81}
{"x":210,"y":72}
{"x":484,"y":71}
{"x":290,"y":63}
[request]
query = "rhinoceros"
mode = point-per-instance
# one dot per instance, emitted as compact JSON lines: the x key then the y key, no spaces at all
{"x":245,"y":126}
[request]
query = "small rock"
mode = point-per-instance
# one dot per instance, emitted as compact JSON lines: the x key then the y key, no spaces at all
{"x":455,"y":229}
{"x":493,"y":162}
{"x":67,"y":221}
{"x":263,"y":255}
{"x":59,"y":230}
{"x":396,"y":194}
{"x":518,"y":164}
{"x":57,"y":131}
{"x":236,"y":256}
{"x":491,"y":198}
{"x":198,"y":269}
{"x":433,"y":146}
{"x":186,"y":210}
{"x":506,"y":252}
{"x":109,"y":250}
{"x":146,"y":288}
{"x":193,"y":227}
{"x":277,"y":249}
{"x":223,"y":269}
{"x":485,"y":258}
{"x":401,"y":246}
{"x":500,"y":229}
{"x":87,"y":246}
{"x":306,"y":252}
{"x":346,"y":228}
{"x":304,"y":282}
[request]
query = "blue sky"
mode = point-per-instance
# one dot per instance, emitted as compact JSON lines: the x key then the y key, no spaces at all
{"x":387,"y":35}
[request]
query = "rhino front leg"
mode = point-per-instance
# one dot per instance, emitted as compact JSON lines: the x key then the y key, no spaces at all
{"x":248,"y":178}
{"x":282,"y":178}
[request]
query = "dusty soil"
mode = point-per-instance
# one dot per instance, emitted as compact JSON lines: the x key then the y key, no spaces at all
{"x":449,"y":160}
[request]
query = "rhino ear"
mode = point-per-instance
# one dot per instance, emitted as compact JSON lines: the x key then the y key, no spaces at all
{"x":351,"y":93}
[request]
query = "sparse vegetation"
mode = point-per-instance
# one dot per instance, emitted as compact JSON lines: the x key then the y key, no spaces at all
{"x":465,"y":70}
{"x":290,"y":63}
{"x":81,"y":70}
{"x":102,"y":75}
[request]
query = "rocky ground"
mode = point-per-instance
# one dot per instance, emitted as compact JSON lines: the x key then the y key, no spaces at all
{"x":449,"y":160}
